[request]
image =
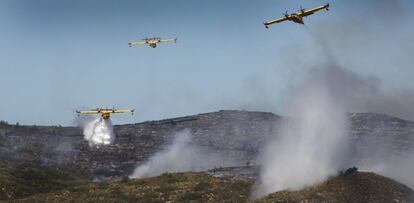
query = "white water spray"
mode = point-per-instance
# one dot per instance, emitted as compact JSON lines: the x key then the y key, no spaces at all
{"x":99,"y":132}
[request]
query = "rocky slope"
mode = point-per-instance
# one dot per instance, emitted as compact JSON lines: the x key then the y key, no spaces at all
{"x":380,"y":138}
{"x":239,"y":134}
{"x":54,"y":163}
{"x":235,"y":133}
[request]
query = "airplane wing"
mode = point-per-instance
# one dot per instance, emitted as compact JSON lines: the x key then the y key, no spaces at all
{"x":269,"y":22}
{"x":136,"y":43}
{"x":307,"y":12}
{"x":123,"y":111}
{"x":87,"y":112}
{"x":168,"y":40}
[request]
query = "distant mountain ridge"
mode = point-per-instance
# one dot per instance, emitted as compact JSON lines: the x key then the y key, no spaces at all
{"x":239,"y":134}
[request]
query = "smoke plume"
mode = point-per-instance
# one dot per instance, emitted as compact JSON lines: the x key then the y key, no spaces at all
{"x":313,"y":141}
{"x":182,"y":155}
{"x":99,"y":132}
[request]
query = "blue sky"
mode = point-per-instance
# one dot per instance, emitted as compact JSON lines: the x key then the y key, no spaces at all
{"x":59,"y":56}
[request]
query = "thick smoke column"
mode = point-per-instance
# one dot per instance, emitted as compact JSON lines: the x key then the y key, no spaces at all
{"x":313,"y":141}
{"x":99,"y":132}
{"x":182,"y":155}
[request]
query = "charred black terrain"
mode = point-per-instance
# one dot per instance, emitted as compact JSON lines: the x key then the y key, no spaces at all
{"x":240,"y":134}
{"x":55,"y":161}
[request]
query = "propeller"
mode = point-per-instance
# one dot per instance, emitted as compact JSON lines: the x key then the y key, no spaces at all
{"x":302,"y":9}
{"x":286,"y":14}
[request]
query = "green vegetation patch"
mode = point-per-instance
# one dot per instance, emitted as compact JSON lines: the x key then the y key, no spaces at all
{"x":173,"y":187}
{"x":358,"y":187}
{"x":29,"y":179}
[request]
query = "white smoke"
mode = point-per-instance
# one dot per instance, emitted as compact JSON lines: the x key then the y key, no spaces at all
{"x":182,"y":155}
{"x":397,"y":164}
{"x":398,"y":168}
{"x":99,"y":132}
{"x":313,"y":141}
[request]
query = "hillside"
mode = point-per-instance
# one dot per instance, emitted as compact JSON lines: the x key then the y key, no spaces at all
{"x":201,"y":187}
{"x":358,"y":187}
{"x":30,"y":179}
{"x":238,"y":134}
{"x":54,"y":163}
{"x":169,"y":187}
{"x":380,"y":138}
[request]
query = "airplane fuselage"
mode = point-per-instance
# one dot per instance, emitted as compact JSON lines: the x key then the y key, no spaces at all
{"x":296,"y":18}
{"x":153,"y":42}
{"x":105,"y":115}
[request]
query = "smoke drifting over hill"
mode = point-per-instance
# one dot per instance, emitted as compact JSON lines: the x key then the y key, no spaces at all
{"x":380,"y":57}
{"x":399,"y":168}
{"x":313,"y":141}
{"x":182,"y":155}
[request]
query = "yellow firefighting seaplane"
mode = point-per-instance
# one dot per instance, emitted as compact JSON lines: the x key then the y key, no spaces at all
{"x":152,"y":41}
{"x":298,"y":16}
{"x":105,"y":112}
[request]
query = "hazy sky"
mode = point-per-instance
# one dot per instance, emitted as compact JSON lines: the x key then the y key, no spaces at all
{"x":59,"y":56}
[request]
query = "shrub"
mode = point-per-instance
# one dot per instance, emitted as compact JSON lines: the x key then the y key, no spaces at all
{"x":188,"y":196}
{"x":3,"y":123}
{"x":201,"y":186}
{"x":171,"y":177}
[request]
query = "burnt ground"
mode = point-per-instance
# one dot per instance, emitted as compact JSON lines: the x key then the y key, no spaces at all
{"x":238,"y":134}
